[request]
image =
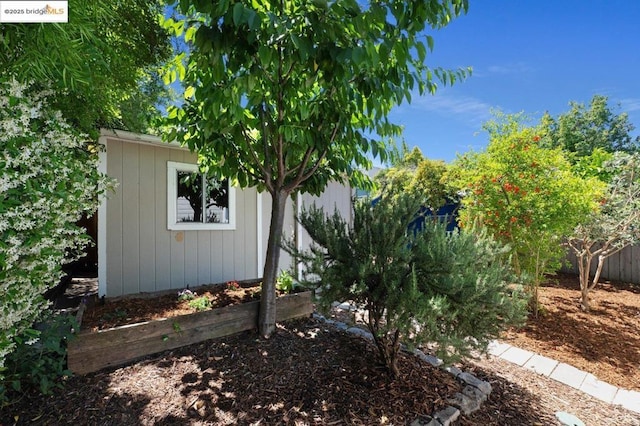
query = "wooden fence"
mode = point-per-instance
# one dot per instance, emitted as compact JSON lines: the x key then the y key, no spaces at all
{"x":623,"y":266}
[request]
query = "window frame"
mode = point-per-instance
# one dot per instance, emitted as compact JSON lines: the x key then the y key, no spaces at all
{"x":173,"y":168}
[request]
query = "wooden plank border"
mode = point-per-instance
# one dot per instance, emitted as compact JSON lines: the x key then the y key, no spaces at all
{"x":93,"y":351}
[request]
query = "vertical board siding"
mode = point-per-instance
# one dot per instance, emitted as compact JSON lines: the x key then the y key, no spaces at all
{"x":130,"y":218}
{"x":239,"y":249}
{"x":114,"y":220}
{"x":228,"y":256}
{"x":335,"y":197}
{"x":142,"y":254}
{"x":147,"y":218}
{"x":204,"y":257}
{"x":288,"y":232}
{"x":162,"y":236}
{"x":217,"y":274}
{"x":191,"y":258}
{"x":250,"y":242}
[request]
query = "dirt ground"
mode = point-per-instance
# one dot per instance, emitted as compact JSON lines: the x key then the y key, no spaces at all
{"x":310,"y":373}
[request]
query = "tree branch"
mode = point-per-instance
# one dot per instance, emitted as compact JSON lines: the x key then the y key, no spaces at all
{"x":268,"y":180}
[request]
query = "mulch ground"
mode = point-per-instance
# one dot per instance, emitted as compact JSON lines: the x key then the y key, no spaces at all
{"x":310,"y":373}
{"x":306,"y":373}
{"x":604,"y":342}
{"x":146,"y":307}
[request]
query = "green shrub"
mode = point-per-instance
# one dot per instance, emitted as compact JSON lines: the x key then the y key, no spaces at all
{"x":449,"y":289}
{"x":48,"y":178}
{"x":286,"y":283}
{"x":39,"y":358}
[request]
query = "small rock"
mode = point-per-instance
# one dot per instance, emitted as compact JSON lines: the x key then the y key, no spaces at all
{"x":341,"y":326}
{"x":568,"y":419}
{"x":436,"y":362}
{"x":466,"y":404}
{"x":470,"y":379}
{"x":454,"y":370}
{"x":360,"y":332}
{"x":473,"y":392}
{"x":318,"y":317}
{"x":447,"y":416}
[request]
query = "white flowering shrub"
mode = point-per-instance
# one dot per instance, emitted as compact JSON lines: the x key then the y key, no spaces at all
{"x":48,"y":179}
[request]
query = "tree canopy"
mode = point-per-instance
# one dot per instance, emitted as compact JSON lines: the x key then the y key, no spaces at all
{"x":421,"y":177}
{"x":102,"y":63}
{"x":289,"y":95}
{"x":581,"y":130}
{"x":526,"y":195}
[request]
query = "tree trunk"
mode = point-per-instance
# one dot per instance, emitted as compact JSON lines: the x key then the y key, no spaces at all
{"x":267,"y":318}
{"x":584,"y":267}
{"x":584,"y":301}
{"x":590,"y":285}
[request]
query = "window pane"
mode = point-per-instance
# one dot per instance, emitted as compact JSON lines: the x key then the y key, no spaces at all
{"x":189,"y":203}
{"x":217,"y":199}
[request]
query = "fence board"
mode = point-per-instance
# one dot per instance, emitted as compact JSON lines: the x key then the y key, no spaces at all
{"x":622,"y":266}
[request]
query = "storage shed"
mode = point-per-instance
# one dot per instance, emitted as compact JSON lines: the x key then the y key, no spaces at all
{"x":167,"y":227}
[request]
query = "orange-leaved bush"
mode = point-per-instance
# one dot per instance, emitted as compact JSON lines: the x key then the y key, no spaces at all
{"x":527,"y":196}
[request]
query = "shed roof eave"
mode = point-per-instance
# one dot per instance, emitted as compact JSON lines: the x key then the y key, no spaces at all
{"x":141,"y":139}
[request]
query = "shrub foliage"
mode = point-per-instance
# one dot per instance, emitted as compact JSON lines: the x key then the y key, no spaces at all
{"x":416,"y":286}
{"x":527,"y":197}
{"x":48,"y":178}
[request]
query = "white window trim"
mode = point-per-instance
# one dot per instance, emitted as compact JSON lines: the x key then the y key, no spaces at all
{"x":172,"y":196}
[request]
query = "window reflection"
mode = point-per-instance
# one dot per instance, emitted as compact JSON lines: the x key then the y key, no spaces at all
{"x":198,"y":194}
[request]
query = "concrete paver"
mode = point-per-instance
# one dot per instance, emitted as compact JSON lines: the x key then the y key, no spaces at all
{"x":569,"y":375}
{"x":517,"y":355}
{"x":541,"y":364}
{"x":498,"y":348}
{"x":628,"y":399}
{"x":598,"y":389}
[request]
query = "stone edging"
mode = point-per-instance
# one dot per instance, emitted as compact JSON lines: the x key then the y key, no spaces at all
{"x":474,"y":393}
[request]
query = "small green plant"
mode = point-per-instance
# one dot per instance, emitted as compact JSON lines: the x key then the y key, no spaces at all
{"x":233,"y":285}
{"x":176,"y":327}
{"x":39,"y":360}
{"x":186,"y":294}
{"x":200,"y":303}
{"x":285,"y":282}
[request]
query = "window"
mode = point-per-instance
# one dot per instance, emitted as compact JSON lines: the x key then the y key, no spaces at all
{"x":196,"y":201}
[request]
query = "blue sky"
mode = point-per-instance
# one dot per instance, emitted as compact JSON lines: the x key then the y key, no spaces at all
{"x":531,"y":56}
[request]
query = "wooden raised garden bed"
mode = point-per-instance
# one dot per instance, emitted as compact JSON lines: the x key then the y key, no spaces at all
{"x":94,"y":350}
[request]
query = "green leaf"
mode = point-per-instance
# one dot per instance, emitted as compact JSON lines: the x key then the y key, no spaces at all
{"x":422,"y":51}
{"x":264,"y":53}
{"x":189,"y":92}
{"x":238,"y":10}
{"x":430,"y":43}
